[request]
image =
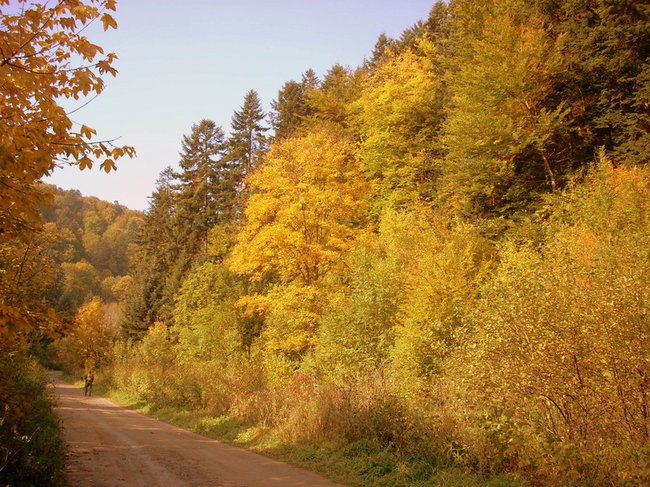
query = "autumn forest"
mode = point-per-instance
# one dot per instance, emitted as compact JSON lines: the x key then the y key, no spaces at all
{"x":429,"y":269}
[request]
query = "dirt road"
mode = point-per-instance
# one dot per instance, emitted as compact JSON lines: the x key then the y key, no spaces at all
{"x":113,"y":446}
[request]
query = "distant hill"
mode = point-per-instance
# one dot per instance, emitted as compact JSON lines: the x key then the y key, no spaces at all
{"x":92,"y":240}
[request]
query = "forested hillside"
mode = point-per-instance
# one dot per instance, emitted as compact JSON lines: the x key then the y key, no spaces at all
{"x":433,"y":265}
{"x":75,"y":266}
{"x":91,"y":242}
{"x":442,"y":253}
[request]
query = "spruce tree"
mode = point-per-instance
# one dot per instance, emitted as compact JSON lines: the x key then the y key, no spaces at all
{"x":291,"y":109}
{"x":247,"y":141}
{"x":439,"y":24}
{"x":330,"y":103}
{"x":382,"y":47}
{"x":606,"y":43}
{"x":158,"y":249}
{"x":206,"y":186}
{"x":309,"y":80}
{"x":309,"y":83}
{"x":288,"y":109}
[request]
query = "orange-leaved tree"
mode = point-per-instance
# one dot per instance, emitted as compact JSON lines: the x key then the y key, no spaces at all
{"x":45,"y":59}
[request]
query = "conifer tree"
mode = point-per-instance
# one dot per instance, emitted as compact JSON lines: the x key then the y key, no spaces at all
{"x":382,"y":47}
{"x":157,"y":251}
{"x":291,"y":109}
{"x":438,"y":26}
{"x":331,"y":101}
{"x":310,"y":80}
{"x":206,"y":185}
{"x":247,"y":140}
{"x":288,"y":109}
{"x":409,"y":37}
{"x":185,"y":207}
{"x":309,"y":83}
{"x":607,"y":44}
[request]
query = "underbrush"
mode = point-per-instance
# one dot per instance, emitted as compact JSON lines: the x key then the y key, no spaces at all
{"x":31,"y":449}
{"x":362,"y":463}
{"x":360,"y":437}
{"x":366,"y":433}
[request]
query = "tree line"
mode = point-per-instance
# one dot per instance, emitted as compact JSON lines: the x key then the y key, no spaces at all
{"x":441,"y":250}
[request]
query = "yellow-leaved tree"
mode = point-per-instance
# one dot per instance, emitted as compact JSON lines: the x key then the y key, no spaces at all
{"x":307,"y":206}
{"x":398,"y":117}
{"x":90,"y":342}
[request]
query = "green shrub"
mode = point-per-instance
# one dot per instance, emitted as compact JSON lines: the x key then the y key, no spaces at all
{"x":31,"y":449}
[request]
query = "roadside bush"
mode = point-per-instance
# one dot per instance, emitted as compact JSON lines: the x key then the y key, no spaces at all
{"x":554,"y":364}
{"x":31,"y":449}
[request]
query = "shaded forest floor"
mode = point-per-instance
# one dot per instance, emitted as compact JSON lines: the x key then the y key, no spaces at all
{"x":362,"y":463}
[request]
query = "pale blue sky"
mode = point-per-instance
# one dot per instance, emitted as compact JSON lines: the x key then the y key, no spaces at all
{"x":180,"y":61}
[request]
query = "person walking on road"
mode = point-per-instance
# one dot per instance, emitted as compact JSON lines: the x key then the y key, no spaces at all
{"x":88,"y":383}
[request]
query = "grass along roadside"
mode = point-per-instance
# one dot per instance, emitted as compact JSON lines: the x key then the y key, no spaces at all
{"x":363,"y":463}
